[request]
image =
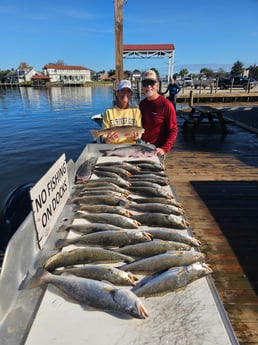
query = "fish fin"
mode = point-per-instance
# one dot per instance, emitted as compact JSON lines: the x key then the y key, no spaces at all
{"x":94,"y":133}
{"x":60,"y":243}
{"x":31,"y":281}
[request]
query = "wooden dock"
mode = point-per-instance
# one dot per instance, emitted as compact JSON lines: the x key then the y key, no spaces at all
{"x":216,"y":179}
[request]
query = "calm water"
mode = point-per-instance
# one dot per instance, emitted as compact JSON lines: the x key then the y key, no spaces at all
{"x":38,"y":125}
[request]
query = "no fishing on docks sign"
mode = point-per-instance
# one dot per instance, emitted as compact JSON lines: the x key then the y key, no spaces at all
{"x":49,"y":196}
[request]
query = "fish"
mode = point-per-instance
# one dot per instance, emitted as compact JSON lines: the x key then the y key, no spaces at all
{"x":173,"y":235}
{"x":108,"y":187}
{"x":143,"y":183}
{"x":88,"y":228}
{"x":146,"y":161}
{"x":100,"y":199}
{"x":156,"y":207}
{"x":101,"y":272}
{"x":104,"y":181}
{"x":162,"y":181}
{"x":151,"y":191}
{"x":114,"y":219}
{"x":130,"y":167}
{"x":151,"y":166}
{"x":97,"y":294}
{"x":106,"y":173}
{"x":133,"y":151}
{"x":106,"y":239}
{"x":154,"y":247}
{"x":171,"y":280}
{"x":123,"y":131}
{"x":85,"y":170}
{"x":162,"y":262}
{"x":115,"y":169}
{"x":102,"y":192}
{"x":161,"y":219}
{"x":154,"y":199}
{"x":103,"y":208}
{"x":83,"y":256}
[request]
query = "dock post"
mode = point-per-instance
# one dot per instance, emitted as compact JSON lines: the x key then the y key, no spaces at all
{"x":191,"y":99}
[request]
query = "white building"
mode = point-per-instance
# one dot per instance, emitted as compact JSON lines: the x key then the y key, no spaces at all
{"x":67,"y":74}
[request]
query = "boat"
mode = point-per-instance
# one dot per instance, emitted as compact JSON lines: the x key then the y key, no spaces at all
{"x":190,"y":315}
{"x":98,"y":119}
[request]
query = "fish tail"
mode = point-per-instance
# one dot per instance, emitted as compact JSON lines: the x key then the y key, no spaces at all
{"x":94,"y":133}
{"x":61,"y":243}
{"x":35,"y":280}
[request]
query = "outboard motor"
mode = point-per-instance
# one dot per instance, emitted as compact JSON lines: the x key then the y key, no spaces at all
{"x":15,"y":210}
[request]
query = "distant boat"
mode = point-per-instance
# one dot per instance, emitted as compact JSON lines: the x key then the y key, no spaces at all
{"x":97,"y":118}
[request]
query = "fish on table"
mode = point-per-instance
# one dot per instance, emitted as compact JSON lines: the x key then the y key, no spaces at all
{"x":108,"y":199}
{"x":103,"y":208}
{"x":123,"y":131}
{"x":151,"y":191}
{"x":85,"y":170}
{"x":106,"y":187}
{"x":154,"y":199}
{"x":90,"y":292}
{"x":106,"y":239}
{"x":130,"y":151}
{"x":154,"y":247}
{"x":170,"y":280}
{"x":174,"y":235}
{"x":101,"y":272}
{"x":119,"y":170}
{"x":133,"y":168}
{"x":162,"y":262}
{"x":83,"y":256}
{"x":156,"y":207}
{"x":88,"y":228}
{"x":161,"y":219}
{"x":112,"y":218}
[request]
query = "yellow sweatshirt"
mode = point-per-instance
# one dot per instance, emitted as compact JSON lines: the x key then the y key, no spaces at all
{"x":115,"y":116}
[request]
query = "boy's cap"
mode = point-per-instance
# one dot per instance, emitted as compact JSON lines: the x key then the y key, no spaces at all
{"x":124,"y":84}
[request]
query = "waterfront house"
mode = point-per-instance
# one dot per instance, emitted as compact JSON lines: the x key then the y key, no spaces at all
{"x":20,"y":75}
{"x":72,"y":75}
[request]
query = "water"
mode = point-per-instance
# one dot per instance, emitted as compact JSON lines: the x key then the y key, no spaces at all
{"x":38,"y":125}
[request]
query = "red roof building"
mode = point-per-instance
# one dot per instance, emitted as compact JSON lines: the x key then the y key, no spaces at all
{"x":138,"y":51}
{"x":67,"y":74}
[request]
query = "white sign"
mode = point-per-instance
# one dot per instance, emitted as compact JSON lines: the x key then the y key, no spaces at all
{"x":49,"y":197}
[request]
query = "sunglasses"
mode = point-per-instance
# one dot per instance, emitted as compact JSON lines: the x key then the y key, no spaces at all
{"x":148,"y":82}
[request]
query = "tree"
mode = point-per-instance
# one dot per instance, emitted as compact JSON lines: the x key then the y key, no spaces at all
{"x":24,"y":65}
{"x":207,"y":71}
{"x":237,"y":68}
{"x":183,"y":72}
{"x":253,"y":72}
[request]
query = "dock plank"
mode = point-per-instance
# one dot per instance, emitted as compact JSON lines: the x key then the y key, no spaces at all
{"x":217,"y":184}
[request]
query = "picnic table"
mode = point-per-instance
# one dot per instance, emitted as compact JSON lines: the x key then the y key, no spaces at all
{"x":200,"y":113}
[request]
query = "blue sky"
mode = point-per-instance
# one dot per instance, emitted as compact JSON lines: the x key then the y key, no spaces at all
{"x":205,"y":33}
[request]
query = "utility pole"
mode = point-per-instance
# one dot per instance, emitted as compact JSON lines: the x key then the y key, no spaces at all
{"x":119,"y":39}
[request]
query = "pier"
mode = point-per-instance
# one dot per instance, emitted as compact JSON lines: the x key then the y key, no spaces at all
{"x":215,"y":179}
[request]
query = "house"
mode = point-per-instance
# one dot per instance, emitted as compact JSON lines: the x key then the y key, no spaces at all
{"x":20,"y":75}
{"x":67,"y":74}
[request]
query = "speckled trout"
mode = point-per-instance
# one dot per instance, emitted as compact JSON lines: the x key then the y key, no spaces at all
{"x":101,"y":272}
{"x":171,"y":280}
{"x":161,"y":262}
{"x":83,"y":256}
{"x":161,"y":219}
{"x":94,"y":293}
{"x":123,"y":131}
{"x":106,"y":239}
{"x":154,"y":247}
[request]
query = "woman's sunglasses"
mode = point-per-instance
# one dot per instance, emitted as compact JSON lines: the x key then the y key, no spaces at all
{"x":148,"y":82}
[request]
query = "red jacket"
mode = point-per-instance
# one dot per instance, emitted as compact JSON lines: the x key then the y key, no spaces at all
{"x":159,"y":121}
